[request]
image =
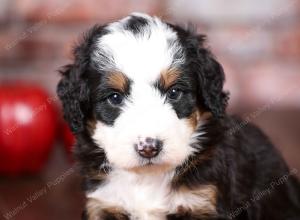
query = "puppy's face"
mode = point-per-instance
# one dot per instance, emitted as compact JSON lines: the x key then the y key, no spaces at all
{"x":145,"y":97}
{"x":144,"y":121}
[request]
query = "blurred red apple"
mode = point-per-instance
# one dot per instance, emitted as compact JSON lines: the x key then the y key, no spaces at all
{"x":28,"y":122}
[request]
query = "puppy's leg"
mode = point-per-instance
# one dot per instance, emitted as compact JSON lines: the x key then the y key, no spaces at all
{"x":200,"y":203}
{"x":188,"y":214}
{"x":114,"y":215}
{"x":96,"y":210}
{"x":84,"y":215}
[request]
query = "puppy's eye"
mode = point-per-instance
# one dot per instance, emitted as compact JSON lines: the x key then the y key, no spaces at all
{"x":115,"y":99}
{"x":174,"y":94}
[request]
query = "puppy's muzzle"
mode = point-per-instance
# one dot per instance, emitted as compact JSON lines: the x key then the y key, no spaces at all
{"x":148,"y":147}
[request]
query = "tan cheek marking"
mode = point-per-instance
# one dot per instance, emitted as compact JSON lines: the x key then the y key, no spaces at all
{"x":168,"y":77}
{"x":205,"y":115}
{"x":117,"y":81}
{"x":194,"y":119}
{"x":91,"y":126}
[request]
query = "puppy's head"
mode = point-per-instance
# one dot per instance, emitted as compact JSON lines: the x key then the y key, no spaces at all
{"x":142,"y":88}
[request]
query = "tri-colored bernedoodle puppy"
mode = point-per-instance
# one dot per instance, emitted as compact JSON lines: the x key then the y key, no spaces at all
{"x":145,"y":100}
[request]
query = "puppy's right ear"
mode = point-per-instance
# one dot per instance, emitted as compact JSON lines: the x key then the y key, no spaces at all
{"x":74,"y":94}
{"x":72,"y":89}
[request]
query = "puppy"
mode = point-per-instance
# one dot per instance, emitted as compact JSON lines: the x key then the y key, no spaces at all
{"x":145,"y":100}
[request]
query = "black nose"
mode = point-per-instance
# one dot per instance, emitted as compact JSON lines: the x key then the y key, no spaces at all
{"x":149,"y":147}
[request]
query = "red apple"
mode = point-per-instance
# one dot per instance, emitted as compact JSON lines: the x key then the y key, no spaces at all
{"x":28,"y":122}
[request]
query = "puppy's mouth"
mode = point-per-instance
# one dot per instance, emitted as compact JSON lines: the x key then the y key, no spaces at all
{"x":150,"y":166}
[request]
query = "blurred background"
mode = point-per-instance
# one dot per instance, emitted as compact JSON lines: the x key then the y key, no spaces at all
{"x":257,"y":41}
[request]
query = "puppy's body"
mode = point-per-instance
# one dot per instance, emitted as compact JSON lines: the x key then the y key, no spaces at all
{"x":151,"y":196}
{"x":145,"y":99}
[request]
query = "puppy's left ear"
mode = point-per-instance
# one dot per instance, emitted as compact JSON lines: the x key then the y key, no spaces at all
{"x":209,"y":74}
{"x":211,"y":80}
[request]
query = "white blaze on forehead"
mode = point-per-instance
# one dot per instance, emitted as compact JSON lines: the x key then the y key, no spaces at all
{"x":142,"y":55}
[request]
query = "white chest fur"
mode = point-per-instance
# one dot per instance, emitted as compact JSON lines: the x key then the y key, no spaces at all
{"x":146,"y":197}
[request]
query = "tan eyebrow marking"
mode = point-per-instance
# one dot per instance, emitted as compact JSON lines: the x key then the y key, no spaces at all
{"x":168,"y":77}
{"x":117,"y":80}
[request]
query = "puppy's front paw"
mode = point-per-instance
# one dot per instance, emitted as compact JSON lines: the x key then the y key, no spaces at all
{"x":96,"y":210}
{"x":112,"y":214}
{"x":181,"y":214}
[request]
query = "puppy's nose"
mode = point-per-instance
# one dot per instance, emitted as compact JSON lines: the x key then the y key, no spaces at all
{"x":149,"y":147}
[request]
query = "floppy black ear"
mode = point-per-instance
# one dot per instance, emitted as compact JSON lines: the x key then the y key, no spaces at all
{"x":73,"y":88}
{"x":211,"y":80}
{"x":209,"y":74}
{"x":74,"y":94}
